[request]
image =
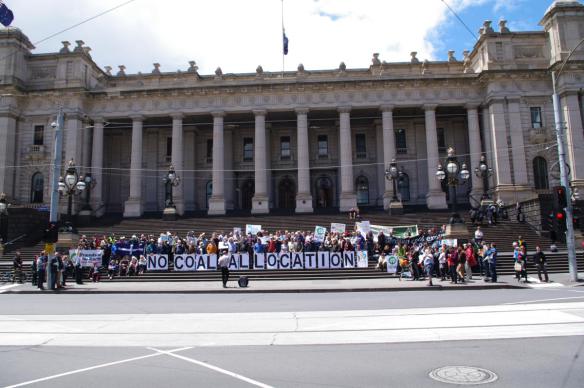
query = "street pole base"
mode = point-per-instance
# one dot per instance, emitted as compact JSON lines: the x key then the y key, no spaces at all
{"x":458,"y":231}
{"x":396,"y":208}
{"x":169,"y":214}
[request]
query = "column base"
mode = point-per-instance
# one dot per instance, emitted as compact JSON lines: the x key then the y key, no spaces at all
{"x":458,"y":231}
{"x":304,"y":204}
{"x":347,"y":201}
{"x":511,"y":194}
{"x":179,"y":205}
{"x":260,"y":205}
{"x":133,"y":208}
{"x":84,"y":217}
{"x":68,"y":240}
{"x":98,"y":209}
{"x":436,"y":200}
{"x":169,"y":214}
{"x":216,"y":206}
{"x":388,"y":199}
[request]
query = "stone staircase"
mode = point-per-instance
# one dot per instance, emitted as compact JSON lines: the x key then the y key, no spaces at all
{"x":503,"y":234}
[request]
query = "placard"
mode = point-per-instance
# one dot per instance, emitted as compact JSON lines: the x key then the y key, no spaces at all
{"x":338,"y":228}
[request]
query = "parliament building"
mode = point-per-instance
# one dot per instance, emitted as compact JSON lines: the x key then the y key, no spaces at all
{"x":302,"y":140}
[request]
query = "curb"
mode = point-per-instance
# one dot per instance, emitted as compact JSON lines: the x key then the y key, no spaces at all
{"x":273,"y":291}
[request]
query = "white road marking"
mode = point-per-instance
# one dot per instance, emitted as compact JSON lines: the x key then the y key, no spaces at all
{"x":544,"y":300}
{"x":523,"y":320}
{"x":158,"y":354}
{"x":535,"y":283}
{"x":8,"y":287}
{"x":215,"y":368}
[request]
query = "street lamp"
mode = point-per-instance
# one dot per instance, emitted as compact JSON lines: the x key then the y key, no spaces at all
{"x":171,"y":180}
{"x":392,"y":173}
{"x":485,"y":172}
{"x":3,"y":215}
{"x":455,"y":174}
{"x":90,"y":183}
{"x":70,"y":186}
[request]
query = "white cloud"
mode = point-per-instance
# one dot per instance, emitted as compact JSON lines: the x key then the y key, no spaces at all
{"x":240,"y":35}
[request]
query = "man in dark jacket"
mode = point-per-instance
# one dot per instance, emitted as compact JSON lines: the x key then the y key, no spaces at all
{"x":541,"y":263}
{"x":17,"y":267}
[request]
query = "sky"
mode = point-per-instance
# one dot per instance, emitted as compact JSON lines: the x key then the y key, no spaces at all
{"x":239,"y":35}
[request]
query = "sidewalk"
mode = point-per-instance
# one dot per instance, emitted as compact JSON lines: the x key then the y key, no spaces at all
{"x":292,"y":286}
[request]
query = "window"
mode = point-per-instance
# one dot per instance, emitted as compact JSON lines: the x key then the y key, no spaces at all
{"x":400,"y":141}
{"x":168,"y":149}
{"x":362,"y":190}
{"x":285,"y":148}
{"x":540,"y":173}
{"x":39,"y":135}
{"x":247,"y":149}
{"x":209,"y":150}
{"x":361,"y":146}
{"x":536,"y":121}
{"x":322,"y":146}
{"x":441,"y":140}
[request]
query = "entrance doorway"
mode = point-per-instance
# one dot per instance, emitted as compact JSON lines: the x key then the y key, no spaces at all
{"x":247,"y":193}
{"x":324,"y":192}
{"x":286,"y":194}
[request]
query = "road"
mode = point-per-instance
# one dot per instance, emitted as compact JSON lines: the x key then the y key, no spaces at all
{"x":530,"y":337}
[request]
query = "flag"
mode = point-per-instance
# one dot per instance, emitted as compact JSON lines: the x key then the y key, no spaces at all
{"x":6,"y":15}
{"x":285,"y":42}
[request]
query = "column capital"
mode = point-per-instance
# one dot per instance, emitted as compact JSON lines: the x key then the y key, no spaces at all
{"x":137,"y":117}
{"x":430,"y":107}
{"x":344,"y":109}
{"x":98,"y":120}
{"x":472,"y":106}
{"x":218,"y":113}
{"x":386,"y":108}
{"x":260,"y":112}
{"x":302,"y":111}
{"x":177,"y":115}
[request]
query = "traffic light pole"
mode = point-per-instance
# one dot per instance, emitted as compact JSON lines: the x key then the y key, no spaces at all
{"x":564,"y":181}
{"x":57,"y":161}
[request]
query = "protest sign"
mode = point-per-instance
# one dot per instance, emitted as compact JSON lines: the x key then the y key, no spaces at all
{"x":319,"y":233}
{"x":253,"y":229}
{"x":392,"y":264}
{"x":338,"y":228}
{"x":362,"y":259}
{"x":87,"y":257}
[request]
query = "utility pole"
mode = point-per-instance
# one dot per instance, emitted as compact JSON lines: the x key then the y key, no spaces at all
{"x":564,"y":181}
{"x":57,"y":161}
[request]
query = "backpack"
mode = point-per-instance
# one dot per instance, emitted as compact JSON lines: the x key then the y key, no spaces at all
{"x":243,"y":281}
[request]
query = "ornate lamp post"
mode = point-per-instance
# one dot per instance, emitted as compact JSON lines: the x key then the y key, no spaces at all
{"x":392,"y":173}
{"x":70,"y":186}
{"x":485,"y":172}
{"x":3,"y":219}
{"x":171,"y":180}
{"x":456,"y":174}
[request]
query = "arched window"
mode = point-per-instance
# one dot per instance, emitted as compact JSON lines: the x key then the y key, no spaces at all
{"x":37,"y":188}
{"x":209,"y":191}
{"x":403,"y":186}
{"x":362,"y":190}
{"x":540,"y":173}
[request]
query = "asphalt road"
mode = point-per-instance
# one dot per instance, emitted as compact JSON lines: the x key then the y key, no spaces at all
{"x":517,"y":362}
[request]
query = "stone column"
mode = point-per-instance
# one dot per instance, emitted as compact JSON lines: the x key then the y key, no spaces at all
{"x":474,"y":141}
{"x":522,"y":189}
{"x":574,"y":138}
{"x":260,"y":202}
{"x":487,"y":136}
{"x":500,"y":156}
{"x":348,"y":198}
{"x":177,"y":161}
{"x":389,"y":152}
{"x":133,"y":206}
{"x":217,"y":200}
{"x":229,"y":175}
{"x":97,"y":168}
{"x":303,"y":197}
{"x":435,"y":199}
{"x":8,"y":153}
{"x":73,"y":144}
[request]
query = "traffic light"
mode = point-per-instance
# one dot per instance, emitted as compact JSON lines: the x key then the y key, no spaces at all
{"x":52,"y":233}
{"x":560,"y":198}
{"x":560,"y":220}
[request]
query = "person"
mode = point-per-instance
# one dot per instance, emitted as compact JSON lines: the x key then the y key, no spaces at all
{"x":452,"y":263}
{"x":382,"y":262}
{"x":519,"y":266}
{"x":491,"y":261}
{"x":17,"y":268}
{"x":53,"y":266}
{"x":428,"y":261}
{"x":41,"y":267}
{"x":443,"y":263}
{"x":461,"y":267}
{"x":541,"y":263}
{"x":95,"y":273}
{"x":33,"y":270}
{"x":478,"y":235}
{"x":78,"y":270}
{"x":223,"y":263}
{"x":471,"y":261}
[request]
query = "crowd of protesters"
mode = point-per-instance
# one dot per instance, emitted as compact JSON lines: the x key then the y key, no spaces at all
{"x":420,"y":258}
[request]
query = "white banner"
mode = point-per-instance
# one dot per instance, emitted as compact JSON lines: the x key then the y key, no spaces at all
{"x":157,"y":262}
{"x":304,"y":260}
{"x":338,"y":228}
{"x":392,"y":263}
{"x":253,"y":229}
{"x":87,"y":257}
{"x":189,"y":263}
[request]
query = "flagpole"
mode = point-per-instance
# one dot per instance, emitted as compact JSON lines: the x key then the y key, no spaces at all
{"x":283,"y":34}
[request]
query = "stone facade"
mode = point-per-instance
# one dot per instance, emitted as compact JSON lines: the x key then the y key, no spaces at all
{"x":301,"y":140}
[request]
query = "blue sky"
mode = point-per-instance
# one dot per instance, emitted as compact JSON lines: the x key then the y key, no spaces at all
{"x":239,"y":35}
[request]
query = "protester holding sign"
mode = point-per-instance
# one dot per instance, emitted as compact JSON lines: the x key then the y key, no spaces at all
{"x":223,"y":263}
